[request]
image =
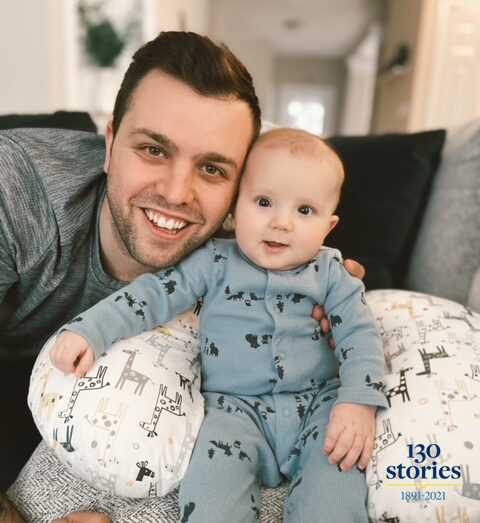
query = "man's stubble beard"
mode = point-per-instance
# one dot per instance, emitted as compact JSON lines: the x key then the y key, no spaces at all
{"x":127,"y":238}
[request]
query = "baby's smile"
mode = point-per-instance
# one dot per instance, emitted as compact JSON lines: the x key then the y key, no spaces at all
{"x":275,"y":247}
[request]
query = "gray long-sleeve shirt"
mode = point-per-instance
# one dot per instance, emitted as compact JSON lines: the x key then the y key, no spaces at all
{"x":258,"y":336}
{"x":51,"y":190}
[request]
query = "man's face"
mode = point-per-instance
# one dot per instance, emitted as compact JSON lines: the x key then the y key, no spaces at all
{"x":173,"y":169}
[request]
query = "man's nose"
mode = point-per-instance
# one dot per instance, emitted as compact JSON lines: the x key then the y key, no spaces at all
{"x":282,"y":220}
{"x":176,"y":185}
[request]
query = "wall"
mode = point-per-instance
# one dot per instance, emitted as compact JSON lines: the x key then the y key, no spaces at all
{"x":258,"y":58}
{"x":156,"y":16}
{"x":440,"y":88}
{"x":362,"y":69}
{"x":255,"y":52}
{"x":43,"y":66}
{"x":177,"y":15}
{"x":447,"y":84}
{"x":47,"y":70}
{"x":30,"y":79}
{"x":394,"y":92}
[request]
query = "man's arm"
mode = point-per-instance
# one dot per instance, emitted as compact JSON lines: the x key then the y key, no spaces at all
{"x":83,"y":517}
{"x":8,"y":273}
{"x":9,"y":514}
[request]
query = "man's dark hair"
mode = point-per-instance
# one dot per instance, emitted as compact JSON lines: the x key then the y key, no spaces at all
{"x":209,"y":69}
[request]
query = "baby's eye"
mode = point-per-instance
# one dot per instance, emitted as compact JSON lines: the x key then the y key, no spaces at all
{"x":263,"y":202}
{"x":306,"y":210}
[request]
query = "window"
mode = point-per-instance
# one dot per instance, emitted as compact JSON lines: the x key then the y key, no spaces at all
{"x":309,"y":116}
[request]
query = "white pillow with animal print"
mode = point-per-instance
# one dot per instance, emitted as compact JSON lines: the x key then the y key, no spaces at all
{"x":130,"y":424}
{"x":426,"y":463}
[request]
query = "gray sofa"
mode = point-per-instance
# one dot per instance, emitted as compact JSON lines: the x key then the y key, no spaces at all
{"x":440,"y":255}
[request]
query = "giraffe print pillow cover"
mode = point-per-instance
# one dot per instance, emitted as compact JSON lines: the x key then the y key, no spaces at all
{"x":129,"y":426}
{"x":426,"y":463}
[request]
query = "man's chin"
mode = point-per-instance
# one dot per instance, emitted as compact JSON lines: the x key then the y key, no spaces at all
{"x":158,"y":258}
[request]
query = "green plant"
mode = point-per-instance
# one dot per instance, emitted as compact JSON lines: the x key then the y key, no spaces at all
{"x":103,"y":42}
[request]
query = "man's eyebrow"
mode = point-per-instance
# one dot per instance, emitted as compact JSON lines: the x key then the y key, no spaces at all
{"x":218,"y":158}
{"x":161,"y":139}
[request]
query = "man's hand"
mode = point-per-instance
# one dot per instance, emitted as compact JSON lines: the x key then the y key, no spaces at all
{"x":84,"y":517}
{"x":319,"y":314}
{"x":355,"y":269}
{"x":8,"y":513}
{"x":72,"y":353}
{"x":350,"y":435}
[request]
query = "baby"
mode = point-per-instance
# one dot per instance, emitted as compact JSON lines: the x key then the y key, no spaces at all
{"x":279,"y":402}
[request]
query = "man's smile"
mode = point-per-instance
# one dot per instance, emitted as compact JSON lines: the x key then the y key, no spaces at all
{"x":165,"y":222}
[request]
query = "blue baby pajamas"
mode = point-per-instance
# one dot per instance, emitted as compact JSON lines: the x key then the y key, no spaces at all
{"x":270,"y":379}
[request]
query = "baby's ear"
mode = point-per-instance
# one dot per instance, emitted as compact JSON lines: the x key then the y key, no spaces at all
{"x":333,"y":221}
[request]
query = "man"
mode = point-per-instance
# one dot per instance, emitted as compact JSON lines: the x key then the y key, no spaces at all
{"x":184,"y":118}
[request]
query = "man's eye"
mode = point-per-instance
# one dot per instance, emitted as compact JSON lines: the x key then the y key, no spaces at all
{"x":213,"y":170}
{"x":263,"y":202}
{"x":305,"y":210}
{"x":154,"y":151}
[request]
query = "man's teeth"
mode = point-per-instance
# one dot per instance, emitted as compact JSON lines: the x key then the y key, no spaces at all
{"x":161,"y":221}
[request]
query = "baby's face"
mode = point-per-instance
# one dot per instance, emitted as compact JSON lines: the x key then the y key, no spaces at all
{"x":284,"y":207}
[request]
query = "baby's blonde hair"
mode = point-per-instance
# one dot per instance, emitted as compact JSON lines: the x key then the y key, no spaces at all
{"x":302,"y":143}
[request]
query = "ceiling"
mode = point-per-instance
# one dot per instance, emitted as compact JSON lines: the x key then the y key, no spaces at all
{"x":326,"y":28}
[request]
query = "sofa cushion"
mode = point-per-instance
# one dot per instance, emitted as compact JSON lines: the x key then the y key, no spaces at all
{"x":447,"y":251}
{"x":387,"y":180}
{"x":47,"y":489}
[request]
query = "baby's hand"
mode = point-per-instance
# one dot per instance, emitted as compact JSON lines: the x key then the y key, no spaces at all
{"x":72,"y":353}
{"x":350,"y":435}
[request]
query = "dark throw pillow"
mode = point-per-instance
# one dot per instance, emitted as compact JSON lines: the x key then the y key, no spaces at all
{"x":75,"y":120}
{"x":388,"y":178}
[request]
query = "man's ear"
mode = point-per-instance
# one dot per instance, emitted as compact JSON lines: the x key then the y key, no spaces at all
{"x":109,"y":145}
{"x":333,"y":222}
{"x":228,"y":224}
